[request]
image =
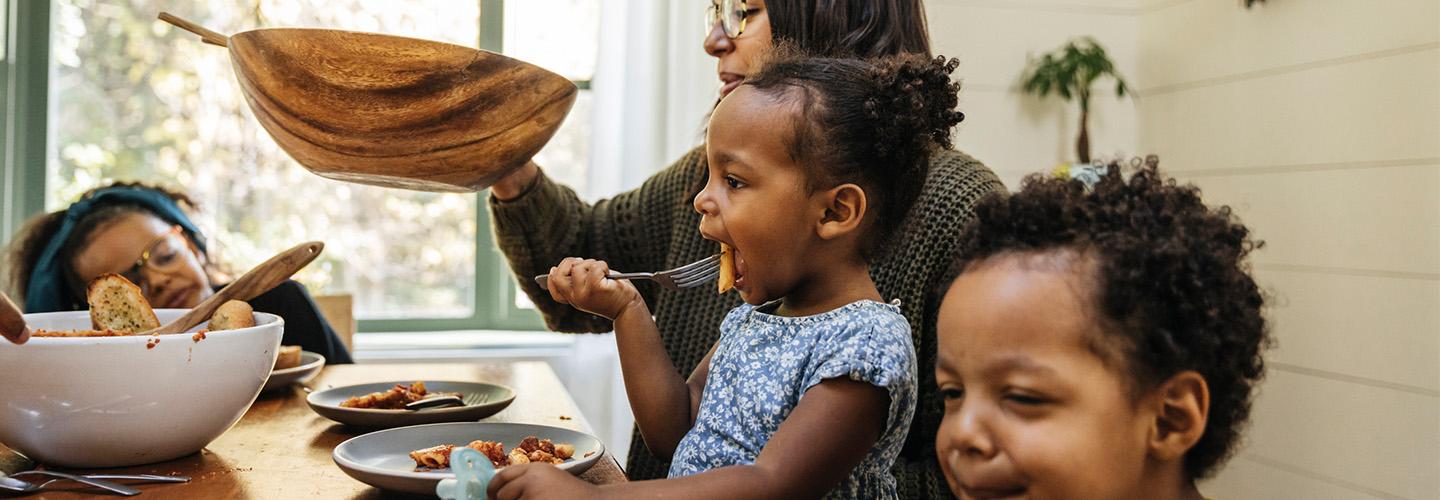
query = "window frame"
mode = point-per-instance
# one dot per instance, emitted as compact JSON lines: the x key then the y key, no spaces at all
{"x":24,"y":73}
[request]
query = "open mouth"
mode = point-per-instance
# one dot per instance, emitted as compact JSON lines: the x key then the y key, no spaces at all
{"x":730,"y":82}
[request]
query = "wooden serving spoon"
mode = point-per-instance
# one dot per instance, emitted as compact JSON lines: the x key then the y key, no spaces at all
{"x":394,"y":111}
{"x":12,"y":321}
{"x":261,"y":279}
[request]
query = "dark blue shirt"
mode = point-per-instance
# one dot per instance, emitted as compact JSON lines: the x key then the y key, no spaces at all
{"x":304,"y":325}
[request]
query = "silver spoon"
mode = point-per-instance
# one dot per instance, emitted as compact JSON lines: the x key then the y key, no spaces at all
{"x":16,"y":485}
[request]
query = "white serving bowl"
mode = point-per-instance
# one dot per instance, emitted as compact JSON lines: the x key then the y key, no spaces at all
{"x":113,"y":401}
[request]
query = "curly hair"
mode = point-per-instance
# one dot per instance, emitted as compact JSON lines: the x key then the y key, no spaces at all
{"x":1171,"y":283}
{"x":872,"y":122}
{"x":25,"y":251}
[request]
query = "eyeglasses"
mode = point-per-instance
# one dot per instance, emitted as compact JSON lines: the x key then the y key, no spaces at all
{"x":164,"y":255}
{"x":730,"y":14}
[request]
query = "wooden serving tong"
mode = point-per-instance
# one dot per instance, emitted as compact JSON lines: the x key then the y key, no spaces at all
{"x":261,"y":279}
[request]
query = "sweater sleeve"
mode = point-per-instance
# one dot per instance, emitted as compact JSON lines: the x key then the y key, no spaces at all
{"x":630,"y":232}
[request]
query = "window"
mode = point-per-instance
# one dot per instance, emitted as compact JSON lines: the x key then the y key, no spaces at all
{"x":133,"y":98}
{"x":4,"y":27}
{"x":22,"y":126}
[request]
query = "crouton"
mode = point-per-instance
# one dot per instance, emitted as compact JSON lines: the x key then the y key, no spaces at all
{"x":231,"y":315}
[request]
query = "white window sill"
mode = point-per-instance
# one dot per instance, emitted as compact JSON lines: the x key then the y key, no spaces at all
{"x":459,"y":345}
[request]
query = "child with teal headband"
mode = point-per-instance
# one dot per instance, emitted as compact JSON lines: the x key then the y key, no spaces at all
{"x":144,"y":233}
{"x":49,"y":288}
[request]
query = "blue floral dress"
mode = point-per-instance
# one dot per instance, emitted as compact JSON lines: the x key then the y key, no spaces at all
{"x":764,"y":365}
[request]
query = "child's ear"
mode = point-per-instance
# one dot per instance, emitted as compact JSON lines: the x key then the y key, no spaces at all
{"x":1182,"y":407}
{"x":843,"y":209}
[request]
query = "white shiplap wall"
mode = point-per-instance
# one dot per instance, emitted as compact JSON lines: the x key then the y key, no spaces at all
{"x":1012,"y":132}
{"x":1319,"y":123}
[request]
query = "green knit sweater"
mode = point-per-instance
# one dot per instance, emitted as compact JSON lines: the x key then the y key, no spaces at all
{"x":656,"y":227}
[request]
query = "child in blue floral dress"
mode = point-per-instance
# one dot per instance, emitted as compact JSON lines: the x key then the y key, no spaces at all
{"x":810,"y":389}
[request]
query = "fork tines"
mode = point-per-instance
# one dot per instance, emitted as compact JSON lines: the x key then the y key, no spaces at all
{"x":696,"y":273}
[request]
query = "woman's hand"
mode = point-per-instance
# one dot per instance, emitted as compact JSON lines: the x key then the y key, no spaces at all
{"x":535,"y":480}
{"x":515,"y":183}
{"x":582,"y":283}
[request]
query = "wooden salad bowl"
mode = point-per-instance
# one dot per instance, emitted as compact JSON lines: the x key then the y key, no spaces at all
{"x":394,"y":111}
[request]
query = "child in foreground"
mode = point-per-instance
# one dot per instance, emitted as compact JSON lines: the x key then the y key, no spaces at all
{"x":1097,"y":343}
{"x":811,"y":388}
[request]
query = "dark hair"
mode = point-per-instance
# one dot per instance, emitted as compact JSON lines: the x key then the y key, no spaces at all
{"x":1171,"y":283}
{"x":874,"y":123}
{"x":841,"y":28}
{"x":851,"y":28}
{"x":30,"y":242}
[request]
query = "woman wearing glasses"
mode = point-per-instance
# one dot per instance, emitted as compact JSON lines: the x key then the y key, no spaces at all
{"x":143,"y":233}
{"x":539,"y":222}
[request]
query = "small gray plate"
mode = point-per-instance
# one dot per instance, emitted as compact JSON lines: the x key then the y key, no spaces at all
{"x":310,"y":365}
{"x":481,"y":400}
{"x":382,"y":459}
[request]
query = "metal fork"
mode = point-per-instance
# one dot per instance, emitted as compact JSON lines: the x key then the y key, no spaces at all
{"x":448,"y":401}
{"x":8,"y":483}
{"x":687,"y":276}
{"x":60,"y":476}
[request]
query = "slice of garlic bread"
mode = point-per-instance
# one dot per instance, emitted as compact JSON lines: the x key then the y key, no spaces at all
{"x":289,"y":357}
{"x":117,"y":304}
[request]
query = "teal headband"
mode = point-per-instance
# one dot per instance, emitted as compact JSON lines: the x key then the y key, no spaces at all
{"x":48,"y":289}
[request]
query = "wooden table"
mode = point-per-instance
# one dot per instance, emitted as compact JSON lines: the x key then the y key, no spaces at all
{"x":281,"y":448}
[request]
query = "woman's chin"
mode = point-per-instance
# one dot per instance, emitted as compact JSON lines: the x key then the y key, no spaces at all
{"x":727,"y":88}
{"x":197,"y":298}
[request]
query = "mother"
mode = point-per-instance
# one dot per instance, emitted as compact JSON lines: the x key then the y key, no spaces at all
{"x":538,"y":222}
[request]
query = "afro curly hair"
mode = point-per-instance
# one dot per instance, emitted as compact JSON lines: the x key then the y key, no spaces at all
{"x":1171,"y":283}
{"x":874,"y":122}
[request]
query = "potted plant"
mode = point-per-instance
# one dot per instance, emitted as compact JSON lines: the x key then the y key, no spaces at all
{"x":1069,"y":72}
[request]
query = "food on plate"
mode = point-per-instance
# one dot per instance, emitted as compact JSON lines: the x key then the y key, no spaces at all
{"x":232,"y":315}
{"x":80,"y":333}
{"x":727,"y":268}
{"x":394,"y":399}
{"x":529,"y":450}
{"x":289,"y":357}
{"x":436,"y":457}
{"x":117,"y":304}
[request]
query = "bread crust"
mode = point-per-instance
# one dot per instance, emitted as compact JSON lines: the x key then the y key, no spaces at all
{"x":117,"y":304}
{"x":288,"y":357}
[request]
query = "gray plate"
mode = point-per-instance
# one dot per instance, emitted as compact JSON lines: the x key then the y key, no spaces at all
{"x":382,"y":459}
{"x":310,"y":365}
{"x":481,"y":400}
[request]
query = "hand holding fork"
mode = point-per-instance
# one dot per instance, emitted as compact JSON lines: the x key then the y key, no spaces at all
{"x":590,"y":285}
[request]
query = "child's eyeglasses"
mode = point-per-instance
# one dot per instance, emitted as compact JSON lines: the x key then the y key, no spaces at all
{"x":730,"y":14}
{"x":163,"y":254}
